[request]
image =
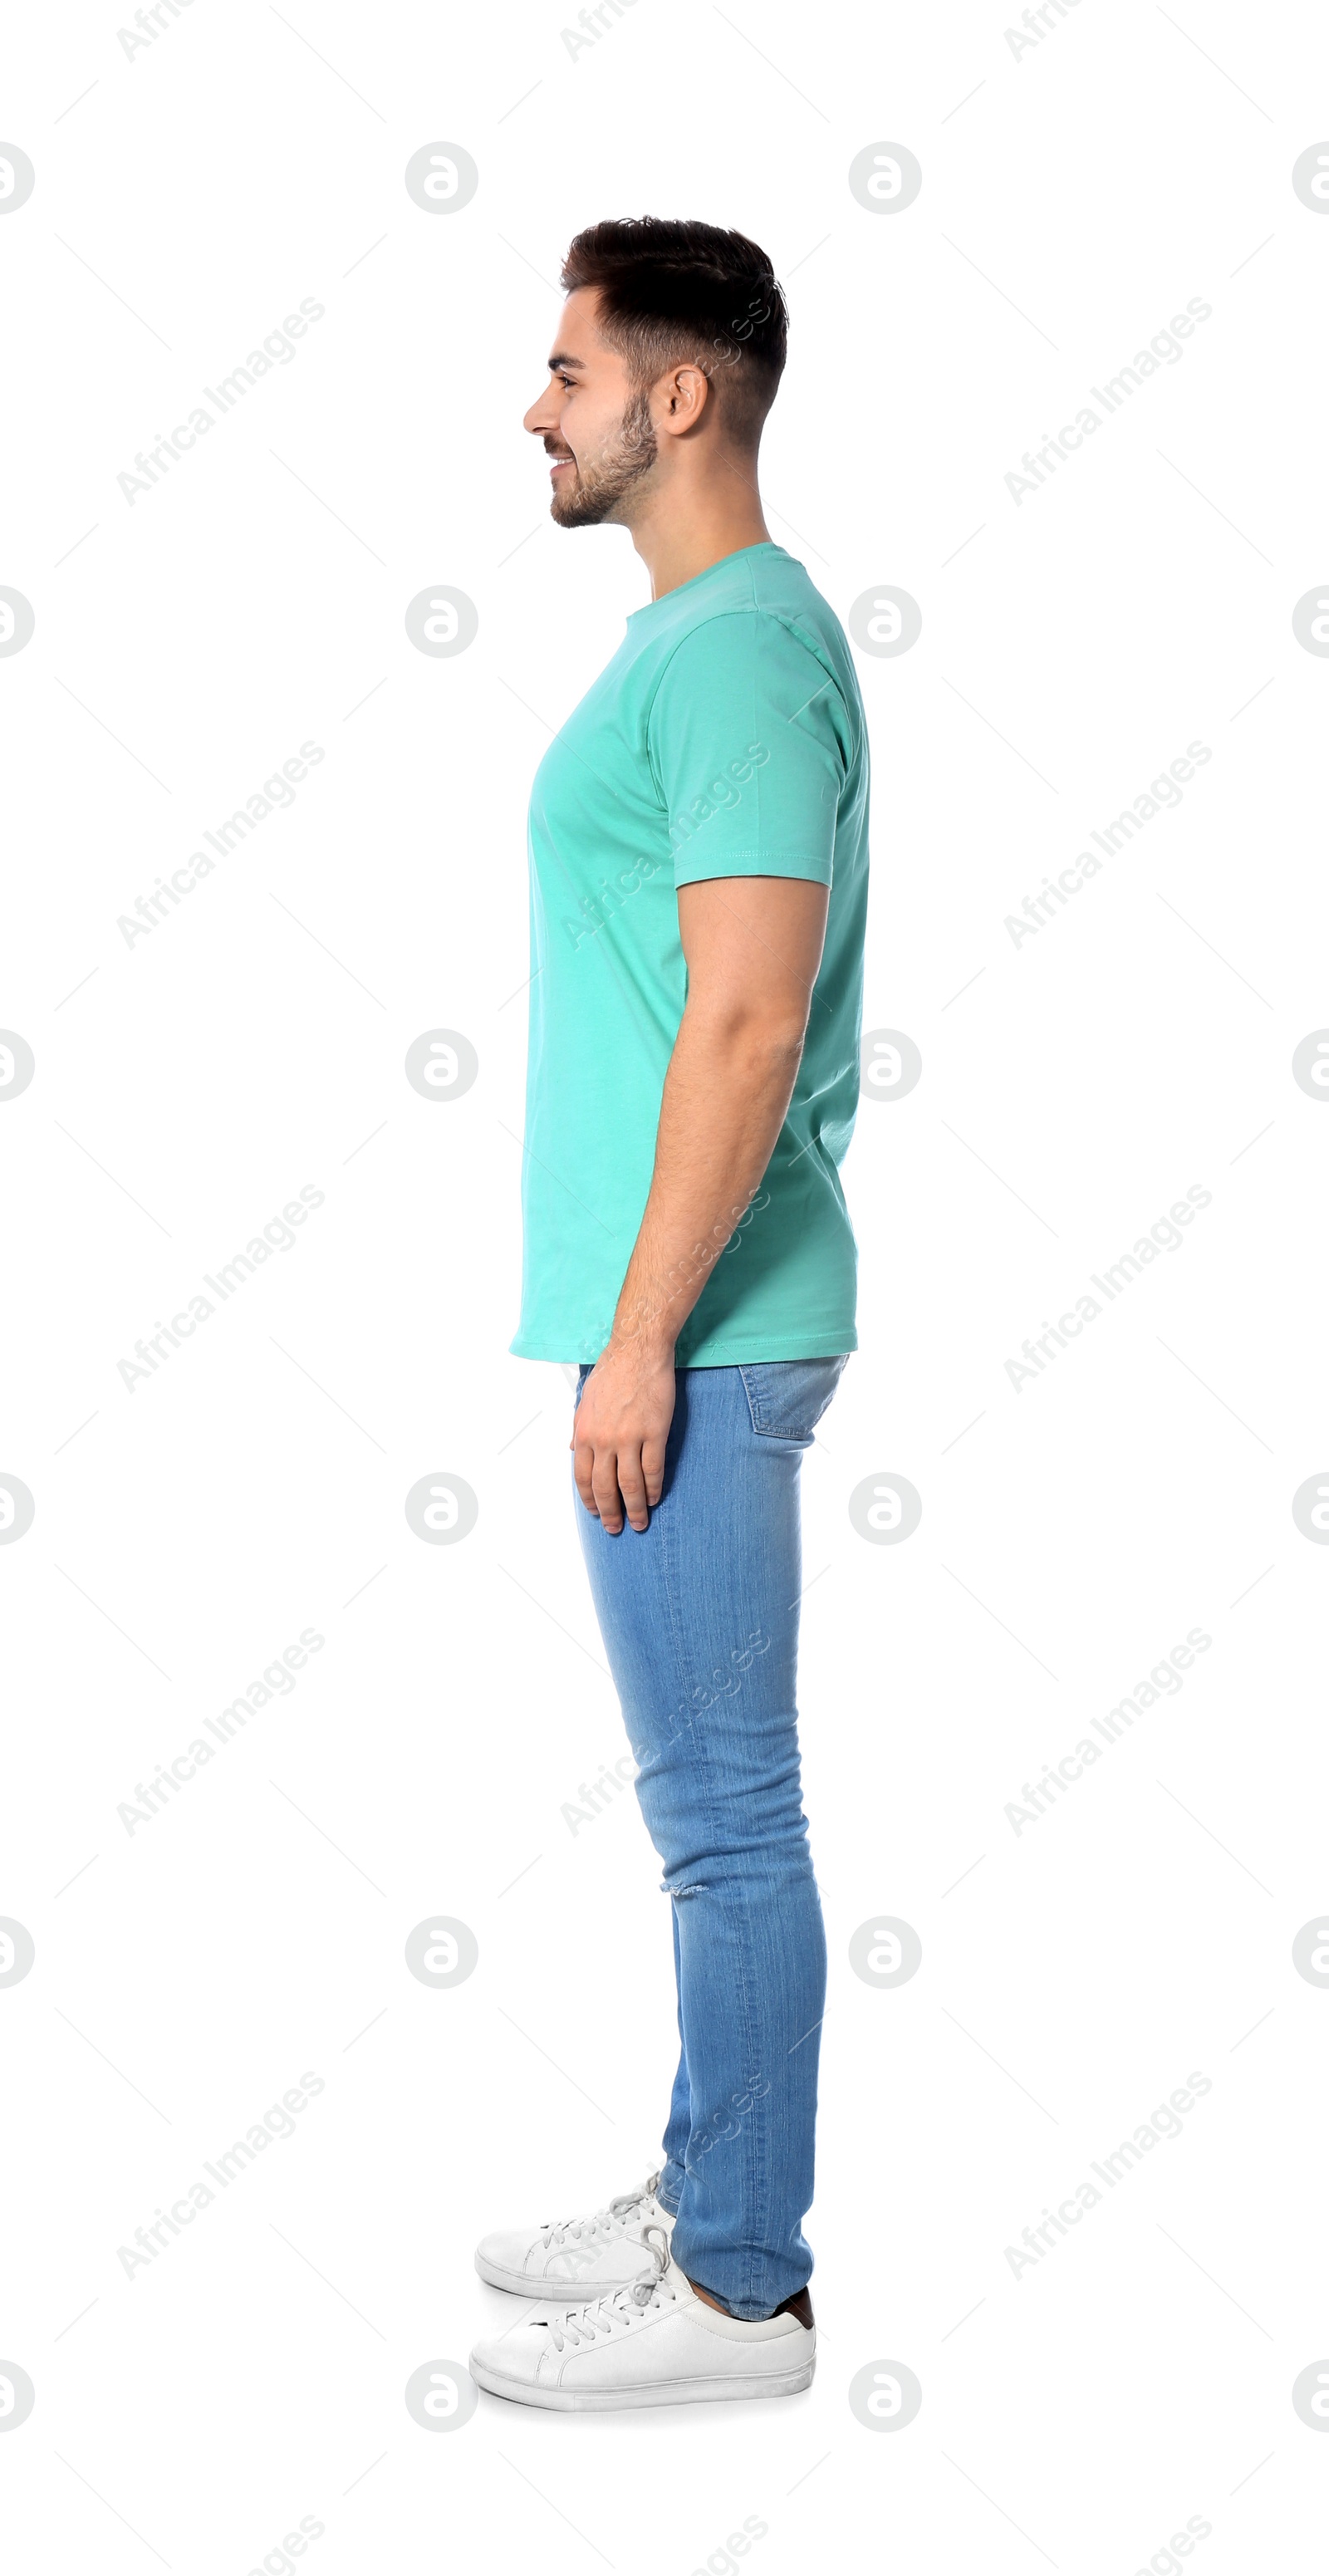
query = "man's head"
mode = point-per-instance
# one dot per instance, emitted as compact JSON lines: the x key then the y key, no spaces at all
{"x":668,"y":356}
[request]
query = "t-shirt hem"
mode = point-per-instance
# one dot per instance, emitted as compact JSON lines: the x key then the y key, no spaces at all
{"x":745,"y":1347}
{"x":751,"y":863}
{"x":738,"y":1352}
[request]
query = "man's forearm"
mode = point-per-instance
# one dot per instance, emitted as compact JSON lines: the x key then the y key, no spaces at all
{"x":726,"y":1092}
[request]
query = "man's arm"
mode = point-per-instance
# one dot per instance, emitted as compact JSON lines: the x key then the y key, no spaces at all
{"x":752,"y":947}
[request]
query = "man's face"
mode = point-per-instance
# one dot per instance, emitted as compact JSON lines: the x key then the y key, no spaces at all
{"x":596,"y":428}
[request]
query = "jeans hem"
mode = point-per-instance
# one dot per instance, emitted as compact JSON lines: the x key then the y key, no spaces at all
{"x":749,"y":2311}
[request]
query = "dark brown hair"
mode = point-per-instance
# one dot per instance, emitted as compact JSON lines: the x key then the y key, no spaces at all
{"x":676,"y":292}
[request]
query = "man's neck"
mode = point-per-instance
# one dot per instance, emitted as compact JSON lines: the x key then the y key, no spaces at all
{"x":682,"y":536}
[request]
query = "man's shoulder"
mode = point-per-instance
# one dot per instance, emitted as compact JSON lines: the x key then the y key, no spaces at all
{"x":757,"y":607}
{"x":755,"y":584}
{"x":765,"y":624}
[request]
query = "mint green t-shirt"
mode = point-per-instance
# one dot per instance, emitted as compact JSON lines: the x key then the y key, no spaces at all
{"x":726,"y":738}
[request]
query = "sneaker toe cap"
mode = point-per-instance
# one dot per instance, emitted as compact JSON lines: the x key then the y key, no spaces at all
{"x":514,"y":2249}
{"x":516,"y":2355}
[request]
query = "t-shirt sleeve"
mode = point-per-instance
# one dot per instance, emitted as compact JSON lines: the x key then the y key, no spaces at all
{"x":749,"y":740}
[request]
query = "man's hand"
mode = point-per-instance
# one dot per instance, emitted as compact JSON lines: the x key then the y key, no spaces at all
{"x":618,"y":1437}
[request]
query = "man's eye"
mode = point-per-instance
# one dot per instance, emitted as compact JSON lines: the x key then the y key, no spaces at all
{"x":566,"y":382}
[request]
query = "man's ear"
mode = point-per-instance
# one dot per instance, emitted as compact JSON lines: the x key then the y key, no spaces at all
{"x":687,"y":394}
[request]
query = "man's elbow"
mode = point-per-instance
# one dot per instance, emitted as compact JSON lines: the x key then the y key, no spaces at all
{"x":752,"y":1031}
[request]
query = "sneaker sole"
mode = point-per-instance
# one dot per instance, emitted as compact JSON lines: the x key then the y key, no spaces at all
{"x":604,"y":2401}
{"x":564,"y":2294}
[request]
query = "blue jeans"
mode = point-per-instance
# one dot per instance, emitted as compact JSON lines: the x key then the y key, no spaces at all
{"x":699,"y":1615}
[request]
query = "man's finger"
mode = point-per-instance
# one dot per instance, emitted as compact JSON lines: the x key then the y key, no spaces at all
{"x":632,"y":1486}
{"x":604,"y":1486}
{"x":653,"y":1469}
{"x":583,"y":1461}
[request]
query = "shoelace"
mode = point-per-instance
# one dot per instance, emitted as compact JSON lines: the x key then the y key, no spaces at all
{"x":605,"y":2316}
{"x":560,"y":2231}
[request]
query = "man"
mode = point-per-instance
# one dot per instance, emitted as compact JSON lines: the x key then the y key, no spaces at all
{"x":698,"y":844}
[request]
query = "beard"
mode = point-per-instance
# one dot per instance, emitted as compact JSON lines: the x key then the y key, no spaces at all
{"x":602,"y":483}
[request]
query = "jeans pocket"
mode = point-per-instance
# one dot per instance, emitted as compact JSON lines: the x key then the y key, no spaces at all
{"x":787,"y":1398}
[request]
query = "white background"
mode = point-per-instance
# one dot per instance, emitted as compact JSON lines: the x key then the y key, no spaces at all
{"x":1074,"y":198}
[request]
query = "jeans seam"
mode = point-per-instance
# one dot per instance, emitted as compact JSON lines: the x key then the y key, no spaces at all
{"x":706,"y":1768}
{"x":747,"y":1390}
{"x":760,"y":2167}
{"x":774,"y":1431}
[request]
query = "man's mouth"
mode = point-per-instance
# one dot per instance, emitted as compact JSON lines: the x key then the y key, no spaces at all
{"x":560,"y":464}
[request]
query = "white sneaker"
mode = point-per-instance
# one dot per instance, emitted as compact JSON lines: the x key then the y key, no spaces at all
{"x":575,"y":2257}
{"x":655,"y":2344}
